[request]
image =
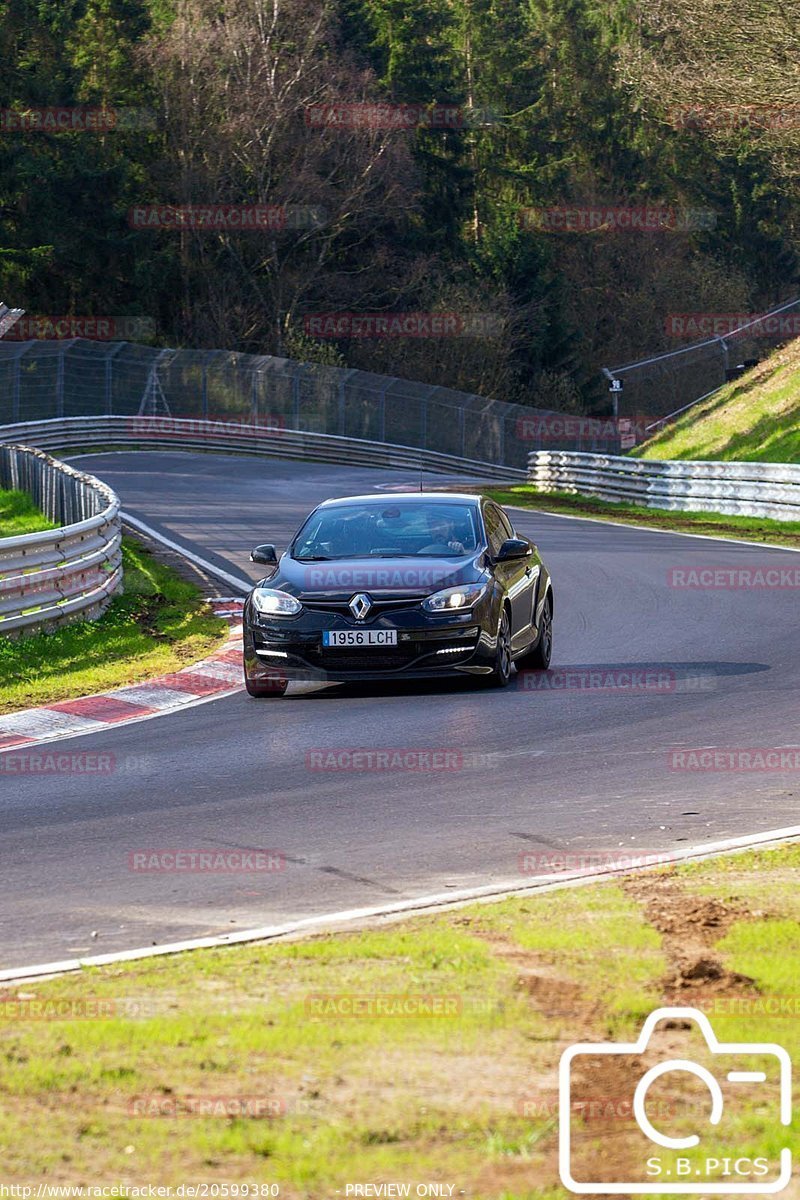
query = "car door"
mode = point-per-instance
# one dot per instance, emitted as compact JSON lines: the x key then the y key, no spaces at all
{"x":518,"y":577}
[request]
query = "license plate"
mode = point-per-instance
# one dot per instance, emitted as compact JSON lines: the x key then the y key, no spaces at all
{"x":359,"y":637}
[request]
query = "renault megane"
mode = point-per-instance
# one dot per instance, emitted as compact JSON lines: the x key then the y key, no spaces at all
{"x":417,"y":585}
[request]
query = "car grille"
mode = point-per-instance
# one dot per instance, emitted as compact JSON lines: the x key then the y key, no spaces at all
{"x":365,"y":662}
{"x":388,"y":658}
{"x":340,"y":605}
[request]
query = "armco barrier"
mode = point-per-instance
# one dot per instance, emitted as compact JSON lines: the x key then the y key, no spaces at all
{"x":238,"y":437}
{"x":62,"y":574}
{"x":747,"y":489}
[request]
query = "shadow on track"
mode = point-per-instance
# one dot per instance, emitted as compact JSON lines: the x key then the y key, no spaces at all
{"x":684,"y":678}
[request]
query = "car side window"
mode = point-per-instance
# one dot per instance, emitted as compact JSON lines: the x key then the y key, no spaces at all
{"x":495,"y":533}
{"x":509,"y":531}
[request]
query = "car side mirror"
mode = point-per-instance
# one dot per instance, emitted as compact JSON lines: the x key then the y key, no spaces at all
{"x":265,"y":555}
{"x":514,"y":548}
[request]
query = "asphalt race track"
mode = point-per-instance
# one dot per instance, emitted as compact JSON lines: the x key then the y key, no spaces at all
{"x":539,"y":770}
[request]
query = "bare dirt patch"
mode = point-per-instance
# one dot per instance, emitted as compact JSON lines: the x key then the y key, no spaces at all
{"x":689,"y":927}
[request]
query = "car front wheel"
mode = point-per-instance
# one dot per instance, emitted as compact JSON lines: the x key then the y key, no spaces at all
{"x":501,"y":672}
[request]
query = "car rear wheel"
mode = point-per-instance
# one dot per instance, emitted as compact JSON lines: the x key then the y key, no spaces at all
{"x":501,"y":672}
{"x":538,"y":659}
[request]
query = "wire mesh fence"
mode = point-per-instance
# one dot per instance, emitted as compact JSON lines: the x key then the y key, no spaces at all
{"x":40,"y":380}
{"x":658,"y":388}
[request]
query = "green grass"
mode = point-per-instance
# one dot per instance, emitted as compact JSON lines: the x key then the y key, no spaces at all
{"x":600,"y":936}
{"x":19,"y":515}
{"x":755,"y":418}
{"x":159,"y":624}
{"x":370,"y":1099}
{"x":755,"y":529}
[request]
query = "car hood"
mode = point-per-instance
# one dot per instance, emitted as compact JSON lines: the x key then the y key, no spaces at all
{"x":345,"y":577}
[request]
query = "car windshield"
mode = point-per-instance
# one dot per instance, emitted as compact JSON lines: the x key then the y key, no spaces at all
{"x":390,"y":531}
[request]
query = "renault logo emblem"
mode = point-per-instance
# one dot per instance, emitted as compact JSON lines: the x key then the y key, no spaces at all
{"x":359,"y":606}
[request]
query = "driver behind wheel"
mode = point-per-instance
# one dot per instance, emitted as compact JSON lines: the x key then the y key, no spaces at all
{"x":442,"y":533}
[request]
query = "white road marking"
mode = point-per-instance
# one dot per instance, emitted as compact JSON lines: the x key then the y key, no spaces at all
{"x":397,"y":909}
{"x":242,"y":585}
{"x":703,"y":537}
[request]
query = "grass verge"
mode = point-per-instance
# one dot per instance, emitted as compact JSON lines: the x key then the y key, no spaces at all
{"x":159,"y":624}
{"x":755,"y":418}
{"x":467,"y":1098}
{"x":749,"y":529}
{"x":19,"y":515}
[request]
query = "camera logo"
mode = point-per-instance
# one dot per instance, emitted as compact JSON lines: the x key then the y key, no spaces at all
{"x":704,"y":1154}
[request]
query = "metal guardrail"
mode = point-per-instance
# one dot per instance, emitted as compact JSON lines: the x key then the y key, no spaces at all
{"x":747,"y":489}
{"x":68,"y":573}
{"x":235,"y":437}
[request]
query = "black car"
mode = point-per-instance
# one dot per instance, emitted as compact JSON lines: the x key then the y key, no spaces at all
{"x":410,"y":586}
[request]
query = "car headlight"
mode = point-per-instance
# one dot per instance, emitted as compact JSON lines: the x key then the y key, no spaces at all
{"x":273,"y":603}
{"x":455,"y":598}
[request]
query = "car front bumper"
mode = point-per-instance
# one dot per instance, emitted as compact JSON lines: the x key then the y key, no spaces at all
{"x":427,"y":646}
